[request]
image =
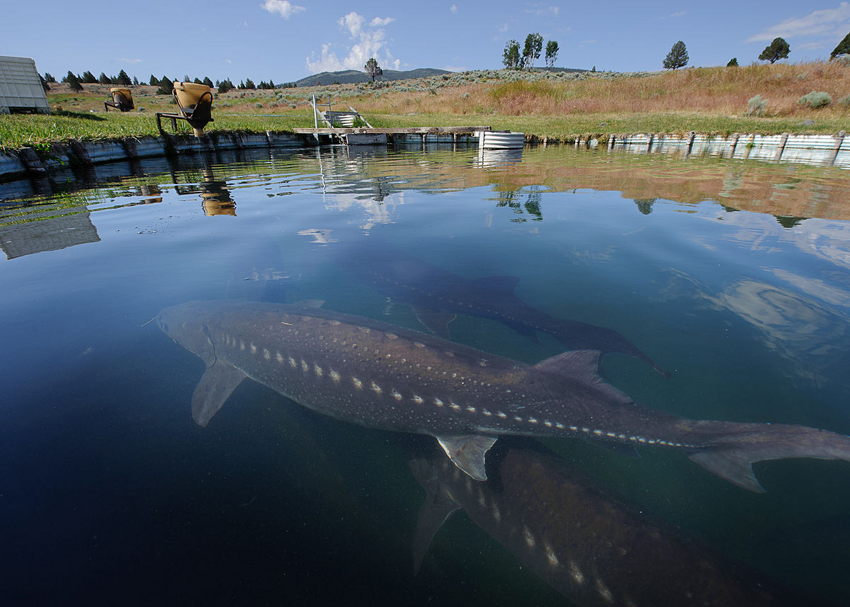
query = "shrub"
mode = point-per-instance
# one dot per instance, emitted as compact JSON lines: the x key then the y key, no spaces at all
{"x":815,"y":99}
{"x":844,"y":101}
{"x":756,"y":106}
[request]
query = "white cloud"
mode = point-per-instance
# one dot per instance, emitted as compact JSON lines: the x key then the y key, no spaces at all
{"x":536,"y":9}
{"x":504,"y":28}
{"x":826,"y":22}
{"x":678,"y":14}
{"x":353,"y":23}
{"x":282,"y":7}
{"x":366,"y":43}
{"x":129,"y":60}
{"x":453,"y":9}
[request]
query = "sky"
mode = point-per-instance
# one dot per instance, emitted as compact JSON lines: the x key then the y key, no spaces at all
{"x":286,"y":40}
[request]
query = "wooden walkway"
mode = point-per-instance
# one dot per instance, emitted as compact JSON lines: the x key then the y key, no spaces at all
{"x":416,"y":130}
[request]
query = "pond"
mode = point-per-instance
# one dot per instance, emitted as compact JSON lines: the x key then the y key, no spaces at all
{"x":731,"y":277}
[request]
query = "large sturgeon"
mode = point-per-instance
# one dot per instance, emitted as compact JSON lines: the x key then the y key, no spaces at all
{"x":384,"y":376}
{"x":437,"y":296}
{"x":592,"y":547}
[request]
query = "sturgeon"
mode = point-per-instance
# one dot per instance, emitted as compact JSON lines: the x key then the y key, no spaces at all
{"x":384,"y":376}
{"x":592,"y":547}
{"x":437,"y":296}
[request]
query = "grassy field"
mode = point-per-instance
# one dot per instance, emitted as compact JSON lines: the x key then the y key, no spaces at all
{"x":559,"y":106}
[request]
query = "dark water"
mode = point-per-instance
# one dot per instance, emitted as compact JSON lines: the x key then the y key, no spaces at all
{"x":732,"y":275}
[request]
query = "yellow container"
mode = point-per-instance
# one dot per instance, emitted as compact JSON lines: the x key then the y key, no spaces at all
{"x":189,"y":93}
{"x":122,"y":97}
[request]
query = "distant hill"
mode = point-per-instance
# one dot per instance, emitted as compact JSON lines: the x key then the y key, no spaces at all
{"x":353,"y":76}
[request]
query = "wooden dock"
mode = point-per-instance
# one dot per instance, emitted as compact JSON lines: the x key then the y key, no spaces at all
{"x":378,"y":136}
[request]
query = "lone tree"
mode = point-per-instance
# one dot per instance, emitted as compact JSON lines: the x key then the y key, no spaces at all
{"x":551,"y":53}
{"x":511,"y":58}
{"x":778,"y":49}
{"x":843,"y":48}
{"x":733,"y":62}
{"x":373,"y":69}
{"x":677,"y":57}
{"x":532,"y":48}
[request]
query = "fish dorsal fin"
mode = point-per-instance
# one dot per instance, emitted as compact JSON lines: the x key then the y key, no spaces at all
{"x":436,"y":510}
{"x":498,"y":284}
{"x":436,"y":322}
{"x":582,"y":366}
{"x":216,"y":386}
{"x":467,"y":452}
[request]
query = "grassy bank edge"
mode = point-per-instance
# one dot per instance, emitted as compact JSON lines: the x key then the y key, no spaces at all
{"x":38,"y":131}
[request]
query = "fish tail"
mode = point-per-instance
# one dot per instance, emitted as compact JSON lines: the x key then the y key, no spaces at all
{"x":731,"y":455}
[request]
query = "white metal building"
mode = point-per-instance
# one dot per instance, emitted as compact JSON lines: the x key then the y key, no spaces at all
{"x":20,"y":87}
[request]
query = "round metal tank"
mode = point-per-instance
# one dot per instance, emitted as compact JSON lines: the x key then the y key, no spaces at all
{"x":501,"y":140}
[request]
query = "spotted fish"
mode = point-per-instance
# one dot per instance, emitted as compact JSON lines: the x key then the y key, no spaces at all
{"x":384,"y":376}
{"x":590,"y":546}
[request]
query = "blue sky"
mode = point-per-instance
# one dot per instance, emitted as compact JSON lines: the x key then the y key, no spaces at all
{"x":286,"y":40}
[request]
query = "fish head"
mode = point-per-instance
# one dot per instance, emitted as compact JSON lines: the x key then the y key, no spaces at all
{"x":188,"y":325}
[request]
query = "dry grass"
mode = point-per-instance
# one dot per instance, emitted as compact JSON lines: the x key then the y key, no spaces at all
{"x":712,"y":91}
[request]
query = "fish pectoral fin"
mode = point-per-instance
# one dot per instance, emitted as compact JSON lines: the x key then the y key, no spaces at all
{"x":436,"y":322}
{"x":467,"y":452}
{"x":216,"y":386}
{"x":436,"y":510}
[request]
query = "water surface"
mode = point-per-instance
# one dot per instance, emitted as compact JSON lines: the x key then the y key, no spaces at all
{"x":732,"y":275}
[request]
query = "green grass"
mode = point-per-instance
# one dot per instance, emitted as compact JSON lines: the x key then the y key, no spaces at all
{"x":38,"y":130}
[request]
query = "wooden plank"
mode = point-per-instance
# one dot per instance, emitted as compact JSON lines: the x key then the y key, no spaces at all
{"x":420,"y":130}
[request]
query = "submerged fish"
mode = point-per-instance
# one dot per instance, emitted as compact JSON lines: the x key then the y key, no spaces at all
{"x":438,"y":296}
{"x":582,"y":542}
{"x":384,"y":376}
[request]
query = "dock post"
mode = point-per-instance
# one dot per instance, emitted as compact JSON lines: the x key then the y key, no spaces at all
{"x":734,"y":144}
{"x":839,"y":140}
{"x":783,"y":139}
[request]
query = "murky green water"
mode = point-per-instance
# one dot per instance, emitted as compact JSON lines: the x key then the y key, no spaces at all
{"x":733,"y":276}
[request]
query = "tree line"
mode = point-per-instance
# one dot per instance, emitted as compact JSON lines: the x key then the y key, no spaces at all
{"x":165,"y":84}
{"x":773,"y":52}
{"x":512,"y":59}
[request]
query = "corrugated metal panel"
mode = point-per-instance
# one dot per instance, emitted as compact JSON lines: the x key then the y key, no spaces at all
{"x":20,"y":86}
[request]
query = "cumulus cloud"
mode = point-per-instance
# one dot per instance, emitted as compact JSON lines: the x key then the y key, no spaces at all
{"x":826,"y":23}
{"x":366,"y":41}
{"x":284,"y":8}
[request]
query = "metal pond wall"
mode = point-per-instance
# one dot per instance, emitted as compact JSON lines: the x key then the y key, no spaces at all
{"x":825,"y":150}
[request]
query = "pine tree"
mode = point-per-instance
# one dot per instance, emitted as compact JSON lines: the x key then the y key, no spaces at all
{"x":208,"y":82}
{"x":123,"y":79}
{"x":154,"y":81}
{"x":88,"y":78}
{"x":104,"y":79}
{"x":677,"y":57}
{"x":732,"y":62}
{"x":73,"y":82}
{"x":776,"y":50}
{"x":843,"y":48}
{"x":165,"y":86}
